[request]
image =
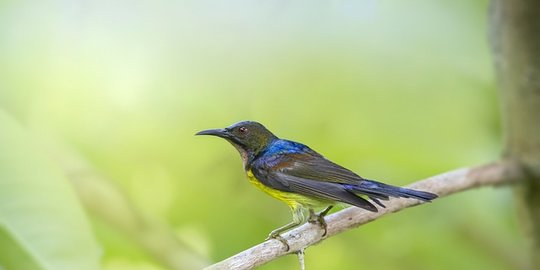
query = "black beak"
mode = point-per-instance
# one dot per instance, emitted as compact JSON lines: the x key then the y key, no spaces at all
{"x":220,"y":132}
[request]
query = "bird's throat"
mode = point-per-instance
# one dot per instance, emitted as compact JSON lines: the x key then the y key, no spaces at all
{"x":243,"y":154}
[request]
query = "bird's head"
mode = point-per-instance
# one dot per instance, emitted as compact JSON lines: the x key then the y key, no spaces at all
{"x":248,"y":137}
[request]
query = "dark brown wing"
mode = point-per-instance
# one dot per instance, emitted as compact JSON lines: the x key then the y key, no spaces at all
{"x":308,"y":173}
{"x":311,"y":165}
{"x":290,"y":173}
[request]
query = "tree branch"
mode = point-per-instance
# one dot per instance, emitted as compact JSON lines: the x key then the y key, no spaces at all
{"x":496,"y":173}
{"x":514,"y":28}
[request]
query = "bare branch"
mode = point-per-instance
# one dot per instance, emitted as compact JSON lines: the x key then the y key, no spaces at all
{"x":497,"y":173}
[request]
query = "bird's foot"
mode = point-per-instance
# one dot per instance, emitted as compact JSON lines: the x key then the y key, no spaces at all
{"x":280,"y":238}
{"x":319,"y":219}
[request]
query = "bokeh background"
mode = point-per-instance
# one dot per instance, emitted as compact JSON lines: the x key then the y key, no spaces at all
{"x":394,"y":90}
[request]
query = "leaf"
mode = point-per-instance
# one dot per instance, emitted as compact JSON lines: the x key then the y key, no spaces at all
{"x":39,"y":212}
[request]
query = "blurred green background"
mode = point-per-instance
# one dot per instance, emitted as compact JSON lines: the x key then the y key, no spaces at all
{"x":394,"y":90}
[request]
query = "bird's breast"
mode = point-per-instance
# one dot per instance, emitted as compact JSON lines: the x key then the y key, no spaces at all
{"x":254,"y":181}
{"x":292,"y":199}
{"x":280,"y":195}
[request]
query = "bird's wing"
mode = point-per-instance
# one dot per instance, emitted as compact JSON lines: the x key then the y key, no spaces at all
{"x":312,"y":166}
{"x":287,"y":173}
{"x":324,"y":191}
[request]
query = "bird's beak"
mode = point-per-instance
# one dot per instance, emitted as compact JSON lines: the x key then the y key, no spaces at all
{"x":220,"y":132}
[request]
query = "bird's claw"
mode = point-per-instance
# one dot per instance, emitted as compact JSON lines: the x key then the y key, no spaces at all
{"x":280,"y":238}
{"x":318,"y":219}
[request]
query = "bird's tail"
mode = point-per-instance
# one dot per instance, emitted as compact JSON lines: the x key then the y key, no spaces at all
{"x":378,"y":191}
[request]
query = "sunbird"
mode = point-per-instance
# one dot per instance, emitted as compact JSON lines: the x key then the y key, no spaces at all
{"x":302,"y":178}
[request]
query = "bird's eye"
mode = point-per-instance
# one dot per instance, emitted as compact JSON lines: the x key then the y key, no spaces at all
{"x":242,"y":129}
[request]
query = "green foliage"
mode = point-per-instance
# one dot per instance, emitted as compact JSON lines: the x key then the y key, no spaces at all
{"x":394,"y":90}
{"x":42,"y":225}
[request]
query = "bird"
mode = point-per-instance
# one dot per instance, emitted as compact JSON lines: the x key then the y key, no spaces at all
{"x":302,"y":178}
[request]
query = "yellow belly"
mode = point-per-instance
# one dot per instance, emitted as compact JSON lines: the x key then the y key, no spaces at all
{"x":292,"y":199}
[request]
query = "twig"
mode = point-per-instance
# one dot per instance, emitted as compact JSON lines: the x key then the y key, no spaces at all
{"x":496,"y":173}
{"x":300,"y":255}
